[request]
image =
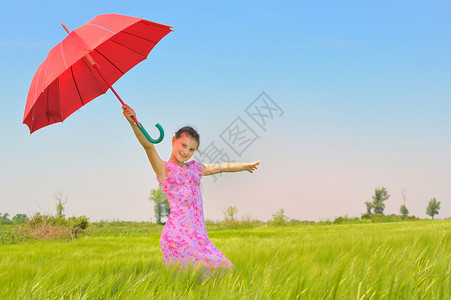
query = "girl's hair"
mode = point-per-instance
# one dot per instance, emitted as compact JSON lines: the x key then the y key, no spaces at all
{"x":189,"y":131}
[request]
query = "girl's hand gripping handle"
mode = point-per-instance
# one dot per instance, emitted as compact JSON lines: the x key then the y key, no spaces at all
{"x":130,"y":114}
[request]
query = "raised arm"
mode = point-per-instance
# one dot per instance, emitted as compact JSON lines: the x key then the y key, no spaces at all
{"x":229,"y":167}
{"x":157,"y":163}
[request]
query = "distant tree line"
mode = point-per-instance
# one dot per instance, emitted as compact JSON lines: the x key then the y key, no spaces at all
{"x":381,"y":195}
{"x":17,"y":219}
{"x":374,"y":211}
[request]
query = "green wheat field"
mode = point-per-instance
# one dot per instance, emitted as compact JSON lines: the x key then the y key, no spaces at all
{"x":403,"y":260}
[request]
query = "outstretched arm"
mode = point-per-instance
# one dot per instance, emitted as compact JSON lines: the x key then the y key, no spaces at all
{"x":230,"y":167}
{"x":157,"y":163}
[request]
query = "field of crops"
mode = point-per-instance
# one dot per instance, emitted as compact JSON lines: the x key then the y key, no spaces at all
{"x":403,"y":260}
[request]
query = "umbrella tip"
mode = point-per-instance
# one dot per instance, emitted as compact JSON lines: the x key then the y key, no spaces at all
{"x":65,"y":28}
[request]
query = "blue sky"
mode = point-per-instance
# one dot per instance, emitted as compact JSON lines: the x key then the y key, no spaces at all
{"x":364,"y":87}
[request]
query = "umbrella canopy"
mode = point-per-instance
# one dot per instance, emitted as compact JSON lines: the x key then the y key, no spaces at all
{"x":85,"y":65}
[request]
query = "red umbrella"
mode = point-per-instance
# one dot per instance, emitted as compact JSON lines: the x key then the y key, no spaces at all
{"x":86,"y":64}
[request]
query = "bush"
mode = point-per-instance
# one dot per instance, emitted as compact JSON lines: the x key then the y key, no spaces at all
{"x":245,"y":222}
{"x":46,"y":227}
{"x":325,"y":222}
{"x":50,"y":227}
{"x":379,"y":218}
{"x":122,"y":228}
{"x":279,"y":218}
{"x":347,"y":220}
{"x":366,"y":216}
{"x":304,"y":222}
{"x":294,"y":222}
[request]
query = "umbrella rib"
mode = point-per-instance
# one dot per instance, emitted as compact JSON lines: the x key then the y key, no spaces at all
{"x":32,"y":120}
{"x":39,"y":76}
{"x":59,"y":99}
{"x":109,"y":61}
{"x":76,"y":86}
{"x":127,"y":48}
{"x":47,"y":110}
{"x":95,"y":78}
{"x":138,"y":36}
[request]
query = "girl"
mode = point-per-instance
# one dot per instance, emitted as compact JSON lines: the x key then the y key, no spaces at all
{"x":184,"y":238}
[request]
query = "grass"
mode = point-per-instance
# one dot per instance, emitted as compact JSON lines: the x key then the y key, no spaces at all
{"x":403,"y":260}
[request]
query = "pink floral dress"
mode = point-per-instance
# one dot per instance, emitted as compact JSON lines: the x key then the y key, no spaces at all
{"x":184,"y":238}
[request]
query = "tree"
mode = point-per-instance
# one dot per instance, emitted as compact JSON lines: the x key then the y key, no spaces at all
{"x":161,"y":205}
{"x":59,"y":196}
{"x":433,"y":207}
{"x":279,"y":218}
{"x":4,"y":219}
{"x":20,"y":218}
{"x":230,"y":212}
{"x":403,"y":209}
{"x":369,"y":207}
{"x":380,"y":195}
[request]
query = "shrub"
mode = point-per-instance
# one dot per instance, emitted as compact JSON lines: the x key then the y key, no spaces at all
{"x":379,"y":218}
{"x":245,"y":222}
{"x":50,"y":227}
{"x":46,"y":227}
{"x":325,"y":222}
{"x":294,"y":222}
{"x":347,"y":220}
{"x":305,"y":222}
{"x":279,"y":218}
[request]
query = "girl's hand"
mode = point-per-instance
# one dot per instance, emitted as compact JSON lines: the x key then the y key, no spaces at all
{"x":252,"y":166}
{"x":128,"y":113}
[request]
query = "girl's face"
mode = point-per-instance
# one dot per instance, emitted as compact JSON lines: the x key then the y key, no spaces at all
{"x":184,"y":147}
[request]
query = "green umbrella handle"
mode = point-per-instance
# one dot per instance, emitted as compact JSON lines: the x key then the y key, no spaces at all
{"x":153,"y":141}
